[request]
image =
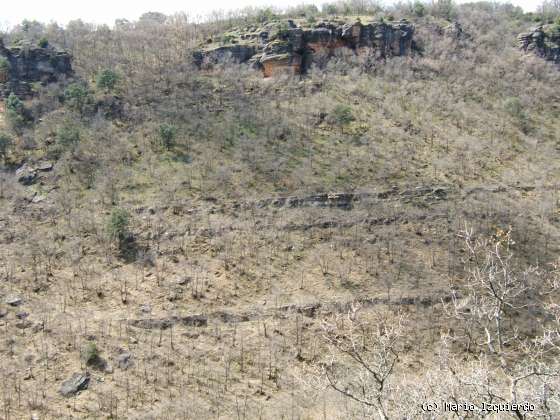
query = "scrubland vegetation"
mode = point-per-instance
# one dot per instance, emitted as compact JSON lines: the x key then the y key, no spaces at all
{"x":349,"y":243}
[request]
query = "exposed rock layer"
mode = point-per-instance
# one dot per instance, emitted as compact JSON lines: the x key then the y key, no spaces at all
{"x":543,"y":41}
{"x":20,"y":67}
{"x":294,"y":48}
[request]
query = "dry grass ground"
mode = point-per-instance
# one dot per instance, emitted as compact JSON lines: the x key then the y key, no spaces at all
{"x":226,"y":319}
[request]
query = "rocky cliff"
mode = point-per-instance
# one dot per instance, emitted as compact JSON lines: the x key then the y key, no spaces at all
{"x":543,"y":41}
{"x":20,"y":67}
{"x":287,"y":46}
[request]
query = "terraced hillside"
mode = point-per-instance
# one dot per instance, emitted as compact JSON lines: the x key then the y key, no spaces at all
{"x":186,"y":241}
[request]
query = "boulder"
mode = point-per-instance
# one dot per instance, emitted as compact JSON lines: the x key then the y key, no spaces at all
{"x":28,"y":179}
{"x":22,"y":315}
{"x":38,"y":198}
{"x":44,"y":166}
{"x":76,"y":383}
{"x":14,"y":300}
{"x":27,"y":175}
{"x":124,"y":360}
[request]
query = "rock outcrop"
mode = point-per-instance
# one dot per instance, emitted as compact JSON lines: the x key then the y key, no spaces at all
{"x":543,"y":41}
{"x":21,"y":66}
{"x":280,"y":47}
{"x":76,"y":383}
{"x":29,"y":175}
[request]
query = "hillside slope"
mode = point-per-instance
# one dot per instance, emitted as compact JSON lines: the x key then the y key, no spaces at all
{"x":198,"y":241}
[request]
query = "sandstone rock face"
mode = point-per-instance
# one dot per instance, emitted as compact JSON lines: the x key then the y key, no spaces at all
{"x":294,"y":49}
{"x":22,"y":66}
{"x":236,"y":53}
{"x":543,"y":41}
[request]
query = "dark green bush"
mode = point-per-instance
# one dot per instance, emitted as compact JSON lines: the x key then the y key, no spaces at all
{"x":77,"y":97}
{"x":15,"y":104}
{"x":265,"y":15}
{"x":4,"y":65}
{"x":419,"y":9}
{"x":343,"y":115}
{"x":555,"y":28}
{"x":68,"y":136}
{"x":228,"y":38}
{"x":107,"y":80}
{"x":514,"y":107}
{"x":90,"y":353}
{"x":283,"y":30}
{"x":118,"y":224}
{"x":43,"y":42}
{"x":16,"y":113}
{"x":167,"y":134}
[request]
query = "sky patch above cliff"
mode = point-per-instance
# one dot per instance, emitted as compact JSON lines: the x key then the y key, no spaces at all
{"x":106,"y":11}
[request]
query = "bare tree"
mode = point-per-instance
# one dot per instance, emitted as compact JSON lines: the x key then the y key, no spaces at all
{"x":363,"y":356}
{"x":514,"y":362}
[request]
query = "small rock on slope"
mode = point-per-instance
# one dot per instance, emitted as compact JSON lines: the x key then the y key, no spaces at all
{"x":76,"y":383}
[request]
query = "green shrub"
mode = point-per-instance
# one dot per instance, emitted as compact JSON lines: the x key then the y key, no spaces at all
{"x":265,"y":15}
{"x":118,"y":224}
{"x":76,"y":97}
{"x":228,"y":38}
{"x":555,"y":28}
{"x":90,"y":354}
{"x":167,"y":134}
{"x":43,"y":42}
{"x":283,"y":30}
{"x":16,"y":114}
{"x":68,"y":136}
{"x":107,"y":80}
{"x":343,"y":115}
{"x":15,"y":104}
{"x":4,"y":65}
{"x":419,"y":9}
{"x":513,"y":107}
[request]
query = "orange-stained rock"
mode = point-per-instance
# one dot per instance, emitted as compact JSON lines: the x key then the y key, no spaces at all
{"x":294,"y":49}
{"x":277,"y":64}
